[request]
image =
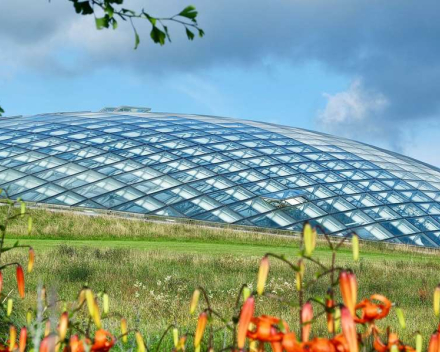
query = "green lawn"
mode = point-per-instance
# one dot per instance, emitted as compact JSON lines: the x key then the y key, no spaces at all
{"x":151,"y":269}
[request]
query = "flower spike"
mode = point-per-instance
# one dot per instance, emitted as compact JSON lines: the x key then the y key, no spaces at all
{"x":20,"y":281}
{"x":247,"y":312}
{"x":262,"y":275}
{"x":1,"y":282}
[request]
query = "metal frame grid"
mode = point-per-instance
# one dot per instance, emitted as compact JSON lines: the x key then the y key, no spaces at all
{"x":219,"y":169}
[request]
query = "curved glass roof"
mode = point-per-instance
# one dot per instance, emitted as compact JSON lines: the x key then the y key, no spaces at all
{"x":219,"y":169}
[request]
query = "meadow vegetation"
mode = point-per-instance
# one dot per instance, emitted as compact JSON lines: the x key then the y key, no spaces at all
{"x":151,"y":269}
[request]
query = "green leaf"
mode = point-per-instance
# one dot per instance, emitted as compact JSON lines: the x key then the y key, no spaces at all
{"x":201,"y":32}
{"x":1,"y":111}
{"x":114,"y":23}
{"x":189,"y":34}
{"x":136,"y":39}
{"x":102,"y":22}
{"x":189,"y":12}
{"x":157,"y":35}
{"x":165,"y":28}
{"x":131,"y":12}
{"x":82,"y":7}
{"x":110,"y":10}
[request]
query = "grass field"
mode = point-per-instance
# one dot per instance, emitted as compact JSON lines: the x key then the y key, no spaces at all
{"x":151,"y":269}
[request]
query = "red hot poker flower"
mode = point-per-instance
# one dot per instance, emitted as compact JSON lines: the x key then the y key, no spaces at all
{"x":371,"y":311}
{"x":348,"y":286}
{"x":247,"y":312}
{"x":20,"y":281}
{"x":306,"y":316}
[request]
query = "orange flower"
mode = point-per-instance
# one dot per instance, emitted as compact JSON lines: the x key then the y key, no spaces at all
{"x":201,"y":325}
{"x":262,"y":274}
{"x":20,"y":281}
{"x":371,"y":311}
{"x":103,"y":341}
{"x":290,"y":344}
{"x":349,"y":329}
{"x":393,"y":340}
{"x":76,"y":345}
{"x":22,"y":339}
{"x":50,"y":344}
{"x":348,"y":285}
{"x":247,"y":312}
{"x":267,"y":329}
{"x":31,"y":259}
{"x":306,"y":317}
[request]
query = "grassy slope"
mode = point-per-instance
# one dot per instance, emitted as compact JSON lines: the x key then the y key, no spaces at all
{"x":150,"y":269}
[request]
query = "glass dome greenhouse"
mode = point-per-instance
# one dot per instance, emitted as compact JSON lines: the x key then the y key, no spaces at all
{"x":219,"y":169}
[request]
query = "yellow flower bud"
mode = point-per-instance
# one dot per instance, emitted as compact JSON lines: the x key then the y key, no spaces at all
{"x":29,"y":225}
{"x":140,"y":342}
{"x":401,"y":317}
{"x":246,"y":293}
{"x":419,"y":342}
{"x":262,"y":275}
{"x":105,"y":303}
{"x":337,"y":318}
{"x":309,"y":237}
{"x":12,"y":337}
{"x":9,"y":307}
{"x":437,"y":300}
{"x":124,"y":330}
{"x":176,"y":337}
{"x":355,"y":245}
{"x":96,"y":316}
{"x":90,"y":301}
{"x":194,"y":301}
{"x":29,"y":316}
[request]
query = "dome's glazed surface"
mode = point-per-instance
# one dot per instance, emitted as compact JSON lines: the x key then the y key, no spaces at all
{"x":219,"y":169}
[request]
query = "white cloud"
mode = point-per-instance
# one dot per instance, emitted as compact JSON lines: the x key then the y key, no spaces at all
{"x":356,"y":107}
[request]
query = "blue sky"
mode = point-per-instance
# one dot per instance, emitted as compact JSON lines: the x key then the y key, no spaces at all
{"x":365,"y":69}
